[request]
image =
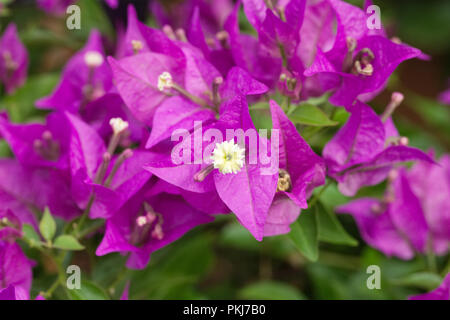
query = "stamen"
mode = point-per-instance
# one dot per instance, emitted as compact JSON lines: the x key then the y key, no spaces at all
{"x":291,"y":83}
{"x":202,"y":174}
{"x":269,"y":4}
{"x":168,"y":31}
{"x":137,"y":46}
{"x":284,"y":181}
{"x":93,"y":59}
{"x":101,"y":172}
{"x":404,"y":141}
{"x":223,"y":37}
{"x":127,"y":153}
{"x":392,"y":175}
{"x":119,"y":127}
{"x":165,"y":81}
{"x":396,"y":100}
{"x":228,"y":157}
{"x":281,"y":13}
{"x":348,"y":60}
{"x":47,"y":147}
{"x":362,"y":62}
{"x":158,"y":232}
{"x":376,"y":208}
{"x":181,"y":35}
{"x":217,"y":82}
{"x":144,"y":227}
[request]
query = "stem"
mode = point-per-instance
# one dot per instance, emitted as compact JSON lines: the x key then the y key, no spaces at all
{"x":85,"y":215}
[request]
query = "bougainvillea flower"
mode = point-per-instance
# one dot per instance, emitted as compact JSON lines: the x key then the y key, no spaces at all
{"x":440,"y":293}
{"x":180,"y":113}
{"x":176,"y":15}
{"x":146,"y":224}
{"x":431,"y":184}
{"x":161,"y":69}
{"x":249,"y":54}
{"x":13,"y":59}
{"x":361,"y":58}
{"x":239,"y":182}
{"x":99,"y":176}
{"x":397,"y":224}
{"x":15,"y":272}
{"x":23,"y":189}
{"x":38,"y":145}
{"x":365,"y":149}
{"x":300,"y":171}
{"x":85,"y":78}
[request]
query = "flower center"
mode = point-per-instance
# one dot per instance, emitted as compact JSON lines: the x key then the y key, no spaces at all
{"x":362,"y":62}
{"x":284,"y":181}
{"x":147,"y":226}
{"x":137,"y":46}
{"x":47,"y":147}
{"x":228,"y":157}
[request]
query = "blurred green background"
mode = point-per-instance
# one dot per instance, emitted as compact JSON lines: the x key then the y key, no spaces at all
{"x":222,"y":260}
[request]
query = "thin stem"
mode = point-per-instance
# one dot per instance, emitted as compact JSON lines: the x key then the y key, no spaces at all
{"x":84,"y":217}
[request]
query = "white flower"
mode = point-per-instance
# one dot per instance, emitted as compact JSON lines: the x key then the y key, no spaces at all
{"x":93,"y":59}
{"x":118,"y":125}
{"x":164,"y":81}
{"x":228,"y":157}
{"x":137,"y":45}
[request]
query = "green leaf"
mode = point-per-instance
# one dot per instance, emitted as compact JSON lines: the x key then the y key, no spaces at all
{"x":93,"y":17}
{"x":304,"y":234}
{"x":423,"y":280}
{"x":31,"y":235}
{"x":47,"y":226}
{"x":270,"y":290}
{"x":67,"y":242}
{"x":88,"y":291}
{"x":20,"y":104}
{"x":330,"y":229}
{"x":311,"y":115}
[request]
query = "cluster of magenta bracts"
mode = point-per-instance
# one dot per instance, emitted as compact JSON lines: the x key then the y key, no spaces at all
{"x":105,"y":147}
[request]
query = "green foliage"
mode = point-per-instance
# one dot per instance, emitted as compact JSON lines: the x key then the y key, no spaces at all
{"x":304,"y":233}
{"x":47,"y":226}
{"x":311,"y":115}
{"x":67,"y":242}
{"x":270,"y":290}
{"x":88,"y":291}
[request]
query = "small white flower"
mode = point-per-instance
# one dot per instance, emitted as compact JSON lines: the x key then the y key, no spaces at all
{"x":93,"y":59}
{"x":137,"y":45}
{"x":118,"y":125}
{"x":228,"y":157}
{"x":165,"y":81}
{"x":141,"y":221}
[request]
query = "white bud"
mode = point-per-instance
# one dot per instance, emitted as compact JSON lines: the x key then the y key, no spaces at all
{"x":93,"y":59}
